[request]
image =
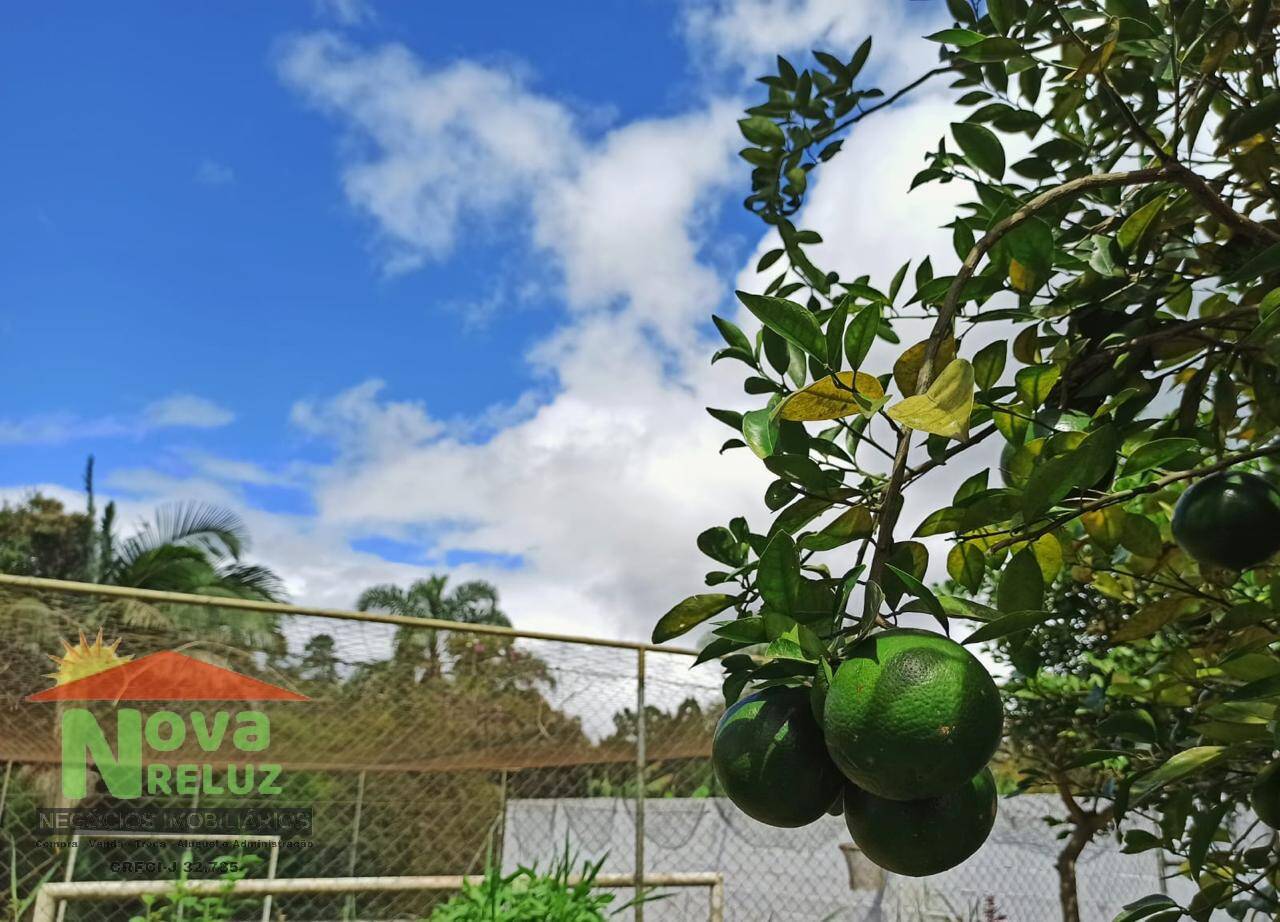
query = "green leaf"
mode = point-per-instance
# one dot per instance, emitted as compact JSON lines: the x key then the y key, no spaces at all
{"x":1050,"y":481}
{"x":1136,"y":725}
{"x":1002,"y":13}
{"x":859,"y":59}
{"x":1152,"y":617}
{"x":1137,"y":227}
{"x":1262,"y":116}
{"x":791,"y":321}
{"x":1009,"y":624}
{"x":988,"y":364}
{"x":980,"y":146}
{"x":760,"y":430}
{"x":1268,"y":687}
{"x":716,"y":649}
{"x":1179,"y":766}
{"x":835,"y":334}
{"x":1031,"y":244}
{"x":719,"y":544}
{"x":1141,"y":535}
{"x":860,"y":334}
{"x":961,"y":38}
{"x":1147,"y":906}
{"x":778,"y":576}
{"x":1156,"y":453}
{"x":849,"y":525}
{"x":1245,"y":615}
{"x":944,"y":409}
{"x":733,"y":334}
{"x":920,"y":591}
{"x":762,"y":131}
{"x":1035,"y":382}
{"x":690,"y":613}
{"x":1021,"y":584}
{"x":966,"y":565}
{"x":825,"y":399}
{"x":744,"y":630}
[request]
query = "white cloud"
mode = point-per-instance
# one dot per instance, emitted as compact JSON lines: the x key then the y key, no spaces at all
{"x":745,"y":35}
{"x":346,"y":12}
{"x":186,"y":410}
{"x":179,"y":411}
{"x":213,"y":173}
{"x":600,"y":481}
{"x":430,"y":152}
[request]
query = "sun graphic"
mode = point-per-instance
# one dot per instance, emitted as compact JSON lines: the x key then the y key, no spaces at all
{"x":86,"y":659}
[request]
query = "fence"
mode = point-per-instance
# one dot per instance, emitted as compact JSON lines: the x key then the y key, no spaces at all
{"x":425,"y":747}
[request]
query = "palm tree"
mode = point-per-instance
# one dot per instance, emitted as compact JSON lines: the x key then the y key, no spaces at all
{"x":474,"y":602}
{"x":188,"y":547}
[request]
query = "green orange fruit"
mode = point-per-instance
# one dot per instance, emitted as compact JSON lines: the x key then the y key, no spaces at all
{"x":917,"y":838}
{"x":911,"y":714}
{"x":769,"y":758}
{"x":1229,"y":520}
{"x":1265,"y":795}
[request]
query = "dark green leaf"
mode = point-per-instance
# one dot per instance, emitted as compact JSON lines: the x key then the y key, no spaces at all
{"x":981,"y":147}
{"x":1021,"y":584}
{"x":778,"y":576}
{"x":791,"y":321}
{"x":1011,"y":623}
{"x":690,"y":613}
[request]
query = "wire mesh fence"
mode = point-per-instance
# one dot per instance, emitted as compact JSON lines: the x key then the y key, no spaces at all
{"x":419,"y":750}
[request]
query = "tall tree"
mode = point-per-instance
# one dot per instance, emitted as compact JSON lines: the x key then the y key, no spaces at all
{"x":417,"y":652}
{"x":1111,"y":315}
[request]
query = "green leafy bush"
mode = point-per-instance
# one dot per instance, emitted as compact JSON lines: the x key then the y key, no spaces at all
{"x":527,"y":895}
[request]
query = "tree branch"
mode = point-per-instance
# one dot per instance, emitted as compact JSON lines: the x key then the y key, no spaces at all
{"x":1126,"y":495}
{"x":942,"y":327}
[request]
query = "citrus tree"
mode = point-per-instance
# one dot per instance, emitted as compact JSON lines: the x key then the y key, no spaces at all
{"x":1119,"y":253}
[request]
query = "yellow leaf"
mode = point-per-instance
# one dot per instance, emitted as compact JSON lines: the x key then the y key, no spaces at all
{"x":1022,"y":279}
{"x":943,"y":409}
{"x":1105,"y":526}
{"x":1153,"y":617}
{"x":825,"y":399}
{"x":906,"y":371}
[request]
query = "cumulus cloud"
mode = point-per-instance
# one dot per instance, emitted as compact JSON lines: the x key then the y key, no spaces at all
{"x":430,"y":152}
{"x":179,"y":411}
{"x":600,"y":481}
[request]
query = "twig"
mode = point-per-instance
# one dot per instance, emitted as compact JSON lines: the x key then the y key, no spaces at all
{"x":1126,"y":495}
{"x":946,"y":320}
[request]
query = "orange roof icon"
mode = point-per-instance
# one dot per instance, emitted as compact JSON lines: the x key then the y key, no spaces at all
{"x":167,"y":676}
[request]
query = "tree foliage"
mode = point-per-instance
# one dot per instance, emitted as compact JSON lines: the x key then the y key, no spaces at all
{"x":1118,"y":252}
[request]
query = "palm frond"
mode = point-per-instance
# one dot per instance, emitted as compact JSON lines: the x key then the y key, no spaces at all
{"x":250,"y":581}
{"x":220,"y":533}
{"x":170,"y":567}
{"x":385,"y":597}
{"x":475,"y":602}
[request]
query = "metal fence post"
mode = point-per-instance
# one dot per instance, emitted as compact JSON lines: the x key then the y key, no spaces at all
{"x":640,"y":783}
{"x":4,"y":792}
{"x":350,"y":908}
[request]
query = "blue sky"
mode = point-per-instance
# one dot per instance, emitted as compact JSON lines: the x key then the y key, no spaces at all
{"x":412,"y":286}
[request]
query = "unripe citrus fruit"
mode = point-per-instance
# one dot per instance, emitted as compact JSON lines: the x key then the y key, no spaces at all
{"x":1229,"y":520}
{"x":769,"y":757}
{"x":1265,"y":795}
{"x":917,"y":838}
{"x":911,"y":714}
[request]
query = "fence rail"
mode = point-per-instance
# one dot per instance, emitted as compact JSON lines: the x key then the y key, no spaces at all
{"x":427,"y":746}
{"x":51,"y":894}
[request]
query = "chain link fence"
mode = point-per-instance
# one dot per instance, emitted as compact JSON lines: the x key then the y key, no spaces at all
{"x":428,"y":749}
